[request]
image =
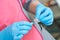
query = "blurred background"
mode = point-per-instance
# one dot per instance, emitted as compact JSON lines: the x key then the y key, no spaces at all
{"x":55,"y":6}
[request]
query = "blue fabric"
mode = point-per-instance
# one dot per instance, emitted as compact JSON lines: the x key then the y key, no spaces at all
{"x":44,"y":14}
{"x":15,"y":31}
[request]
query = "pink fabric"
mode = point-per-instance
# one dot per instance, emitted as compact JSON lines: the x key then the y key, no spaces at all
{"x":10,"y":12}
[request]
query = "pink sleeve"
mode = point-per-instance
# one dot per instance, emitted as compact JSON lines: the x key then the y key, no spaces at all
{"x":23,"y":2}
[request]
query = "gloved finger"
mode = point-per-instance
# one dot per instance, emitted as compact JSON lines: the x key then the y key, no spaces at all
{"x":50,"y":11}
{"x":22,"y":23}
{"x":18,"y":37}
{"x":39,"y":9}
{"x":15,"y":30}
{"x":24,"y":28}
{"x":25,"y":23}
{"x":49,"y":22}
{"x":23,"y":31}
{"x":46,"y":19}
{"x":45,"y":14}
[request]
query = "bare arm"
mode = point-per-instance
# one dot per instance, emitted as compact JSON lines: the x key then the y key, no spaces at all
{"x":32,"y":6}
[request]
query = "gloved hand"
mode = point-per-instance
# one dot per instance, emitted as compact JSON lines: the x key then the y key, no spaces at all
{"x":15,"y":31}
{"x":44,"y":14}
{"x":19,"y":29}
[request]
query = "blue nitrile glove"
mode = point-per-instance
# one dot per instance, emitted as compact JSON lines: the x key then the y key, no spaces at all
{"x":6,"y":34}
{"x":44,"y":14}
{"x":15,"y":31}
{"x":20,"y":29}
